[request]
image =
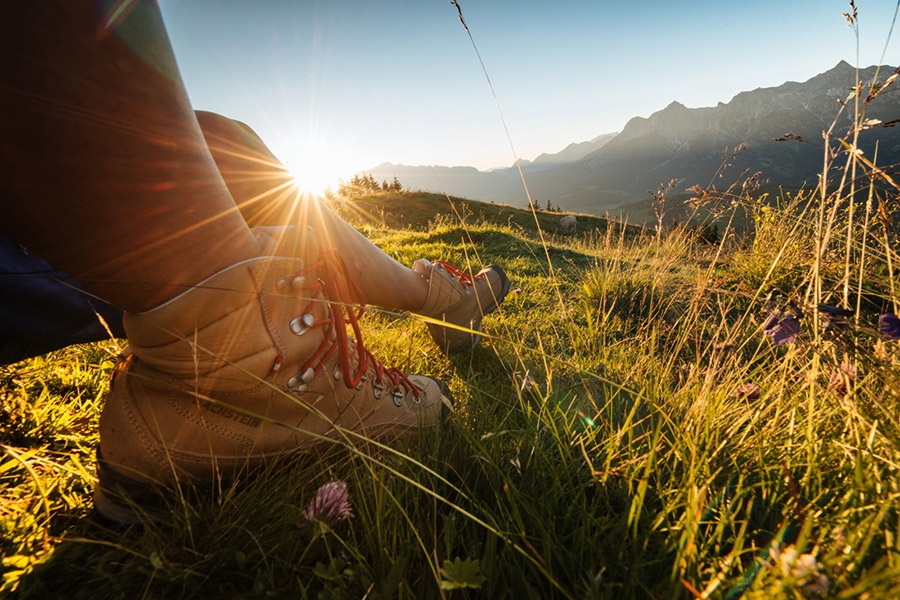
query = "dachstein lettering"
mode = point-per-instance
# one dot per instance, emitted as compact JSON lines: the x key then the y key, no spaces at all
{"x":224,"y":411}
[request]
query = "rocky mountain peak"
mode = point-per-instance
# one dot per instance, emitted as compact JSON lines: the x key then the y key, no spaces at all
{"x":688,"y":145}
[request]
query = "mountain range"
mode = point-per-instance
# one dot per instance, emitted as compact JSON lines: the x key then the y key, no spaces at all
{"x":613,"y":172}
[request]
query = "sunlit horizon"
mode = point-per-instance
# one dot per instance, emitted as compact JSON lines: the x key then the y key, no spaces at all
{"x":400,"y":82}
{"x":317,"y":175}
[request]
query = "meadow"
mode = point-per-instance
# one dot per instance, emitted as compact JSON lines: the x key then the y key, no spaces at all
{"x":653,"y":413}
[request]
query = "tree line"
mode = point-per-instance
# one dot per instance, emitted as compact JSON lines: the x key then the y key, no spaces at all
{"x":365,"y":183}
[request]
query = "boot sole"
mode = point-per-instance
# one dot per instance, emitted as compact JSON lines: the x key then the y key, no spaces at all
{"x":121,"y":500}
{"x":498,"y":298}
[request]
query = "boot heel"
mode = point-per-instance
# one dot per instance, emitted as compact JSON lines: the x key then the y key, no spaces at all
{"x":121,"y":500}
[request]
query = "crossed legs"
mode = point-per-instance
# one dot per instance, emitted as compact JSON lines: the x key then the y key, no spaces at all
{"x":266,"y":195}
{"x":240,"y":352}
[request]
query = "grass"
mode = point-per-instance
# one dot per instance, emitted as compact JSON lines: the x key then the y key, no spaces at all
{"x":626,"y":429}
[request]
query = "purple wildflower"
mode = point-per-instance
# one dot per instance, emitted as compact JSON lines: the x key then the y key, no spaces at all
{"x":784,"y":331}
{"x":889,"y":326}
{"x":331,"y":504}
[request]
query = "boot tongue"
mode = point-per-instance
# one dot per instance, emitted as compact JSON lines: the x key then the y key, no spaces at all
{"x":443,"y":288}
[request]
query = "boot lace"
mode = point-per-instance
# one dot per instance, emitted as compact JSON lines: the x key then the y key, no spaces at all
{"x":346,"y":306}
{"x":464,"y":278}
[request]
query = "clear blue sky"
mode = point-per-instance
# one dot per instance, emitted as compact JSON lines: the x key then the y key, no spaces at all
{"x":338,"y":86}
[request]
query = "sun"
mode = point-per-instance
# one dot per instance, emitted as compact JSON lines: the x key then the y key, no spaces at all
{"x":317,"y":168}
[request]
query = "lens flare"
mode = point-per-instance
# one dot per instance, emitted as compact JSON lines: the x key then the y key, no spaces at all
{"x":316,"y":168}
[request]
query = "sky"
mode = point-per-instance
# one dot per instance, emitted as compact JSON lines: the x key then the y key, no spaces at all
{"x":335,"y":87}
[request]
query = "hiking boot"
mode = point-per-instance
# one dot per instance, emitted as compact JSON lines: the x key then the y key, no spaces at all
{"x":251,"y":364}
{"x":459,"y":299}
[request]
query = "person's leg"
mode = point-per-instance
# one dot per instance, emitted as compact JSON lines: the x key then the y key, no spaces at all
{"x":43,"y":309}
{"x":239,"y":353}
{"x":107,"y":172}
{"x":263,"y":190}
{"x":266,"y":194}
{"x":39,"y":294}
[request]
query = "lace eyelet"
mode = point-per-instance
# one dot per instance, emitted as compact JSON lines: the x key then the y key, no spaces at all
{"x":297,"y":386}
{"x":301,"y":325}
{"x":338,"y":307}
{"x":362,"y":383}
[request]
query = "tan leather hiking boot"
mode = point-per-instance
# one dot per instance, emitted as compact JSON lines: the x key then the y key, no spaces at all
{"x":460,"y":299}
{"x":251,"y":364}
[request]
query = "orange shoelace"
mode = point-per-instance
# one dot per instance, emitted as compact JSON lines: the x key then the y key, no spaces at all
{"x":346,"y":305}
{"x":461,"y":275}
